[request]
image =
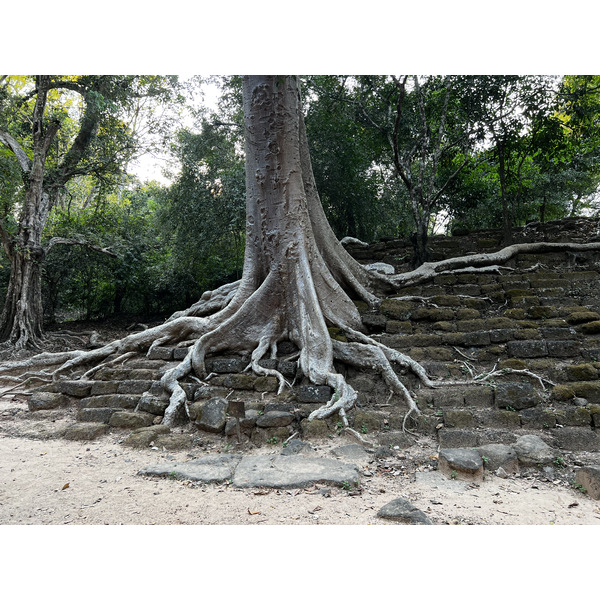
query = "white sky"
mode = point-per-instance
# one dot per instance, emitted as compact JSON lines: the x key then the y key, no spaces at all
{"x":150,"y":167}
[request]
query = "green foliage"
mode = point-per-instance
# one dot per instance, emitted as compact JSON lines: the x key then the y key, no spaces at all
{"x":344,"y":156}
{"x":203,"y":214}
{"x":81,"y":282}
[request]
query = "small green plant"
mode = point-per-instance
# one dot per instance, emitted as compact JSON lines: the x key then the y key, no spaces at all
{"x":273,"y":440}
{"x":453,"y":475}
{"x":579,"y":488}
{"x":559,"y":462}
{"x":172,"y":475}
{"x":485,"y":460}
{"x":346,"y":485}
{"x":364,"y":429}
{"x":339,"y":426}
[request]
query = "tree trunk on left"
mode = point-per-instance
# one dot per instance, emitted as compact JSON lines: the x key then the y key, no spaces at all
{"x":22,"y":318}
{"x":21,"y":322}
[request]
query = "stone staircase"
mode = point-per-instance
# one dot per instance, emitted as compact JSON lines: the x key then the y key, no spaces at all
{"x":542,"y":315}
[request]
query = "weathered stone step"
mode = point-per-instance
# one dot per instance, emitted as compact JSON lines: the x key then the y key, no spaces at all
{"x":565,"y":438}
{"x":528,"y":418}
{"x":125,"y":373}
{"x":129,"y":386}
{"x":120,"y":401}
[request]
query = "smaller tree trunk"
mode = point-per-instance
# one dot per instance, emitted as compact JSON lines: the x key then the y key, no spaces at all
{"x":22,"y":318}
{"x":506,"y":217}
{"x":419,"y":241}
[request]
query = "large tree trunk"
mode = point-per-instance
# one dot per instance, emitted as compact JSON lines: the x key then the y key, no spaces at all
{"x":21,"y":322}
{"x":22,"y":317}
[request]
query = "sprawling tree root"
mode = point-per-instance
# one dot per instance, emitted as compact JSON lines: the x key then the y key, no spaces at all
{"x":297,"y":281}
{"x":250,"y":320}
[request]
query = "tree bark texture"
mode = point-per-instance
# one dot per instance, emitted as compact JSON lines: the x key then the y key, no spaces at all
{"x":21,"y":322}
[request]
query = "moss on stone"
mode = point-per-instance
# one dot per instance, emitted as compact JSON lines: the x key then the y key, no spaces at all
{"x":577,"y":318}
{"x":527,"y":301}
{"x":581,"y":372}
{"x":432,"y":314}
{"x":370,"y":420}
{"x":542,"y":312}
{"x":590,"y":390}
{"x":515,"y":313}
{"x":471,"y":325}
{"x":445,"y":280}
{"x":461,"y":419}
{"x":362,"y":307}
{"x":562,"y":393}
{"x":590,"y":328}
{"x":499,"y":323}
{"x":442,"y":354}
{"x":335,"y":333}
{"x":399,"y":310}
{"x":556,"y":323}
{"x":526,"y":334}
{"x":266,"y":384}
{"x":446,"y":300}
{"x":528,"y":324}
{"x":393,"y":326}
{"x":239,"y":381}
{"x":516,"y":292}
{"x":476,"y":303}
{"x":467,"y":314}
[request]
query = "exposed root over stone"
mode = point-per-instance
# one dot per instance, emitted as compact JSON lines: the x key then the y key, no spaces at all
{"x":250,"y":321}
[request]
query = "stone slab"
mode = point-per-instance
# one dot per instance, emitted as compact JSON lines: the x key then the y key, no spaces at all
{"x":208,"y":469}
{"x":352,"y":452}
{"x":292,"y":472}
{"x":259,"y":471}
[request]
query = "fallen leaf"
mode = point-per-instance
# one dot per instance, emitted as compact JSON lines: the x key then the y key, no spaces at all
{"x":253,"y":513}
{"x":64,"y":487}
{"x":314,"y":510}
{"x":261,"y":492}
{"x":573,"y":505}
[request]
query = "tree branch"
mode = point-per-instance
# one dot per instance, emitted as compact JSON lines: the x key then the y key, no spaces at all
{"x":24,"y":161}
{"x":402,"y":92}
{"x":72,"y":242}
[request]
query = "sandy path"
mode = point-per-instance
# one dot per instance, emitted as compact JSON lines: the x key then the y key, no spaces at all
{"x":61,"y":482}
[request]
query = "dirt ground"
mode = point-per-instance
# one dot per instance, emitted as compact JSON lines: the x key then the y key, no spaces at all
{"x":61,"y":482}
